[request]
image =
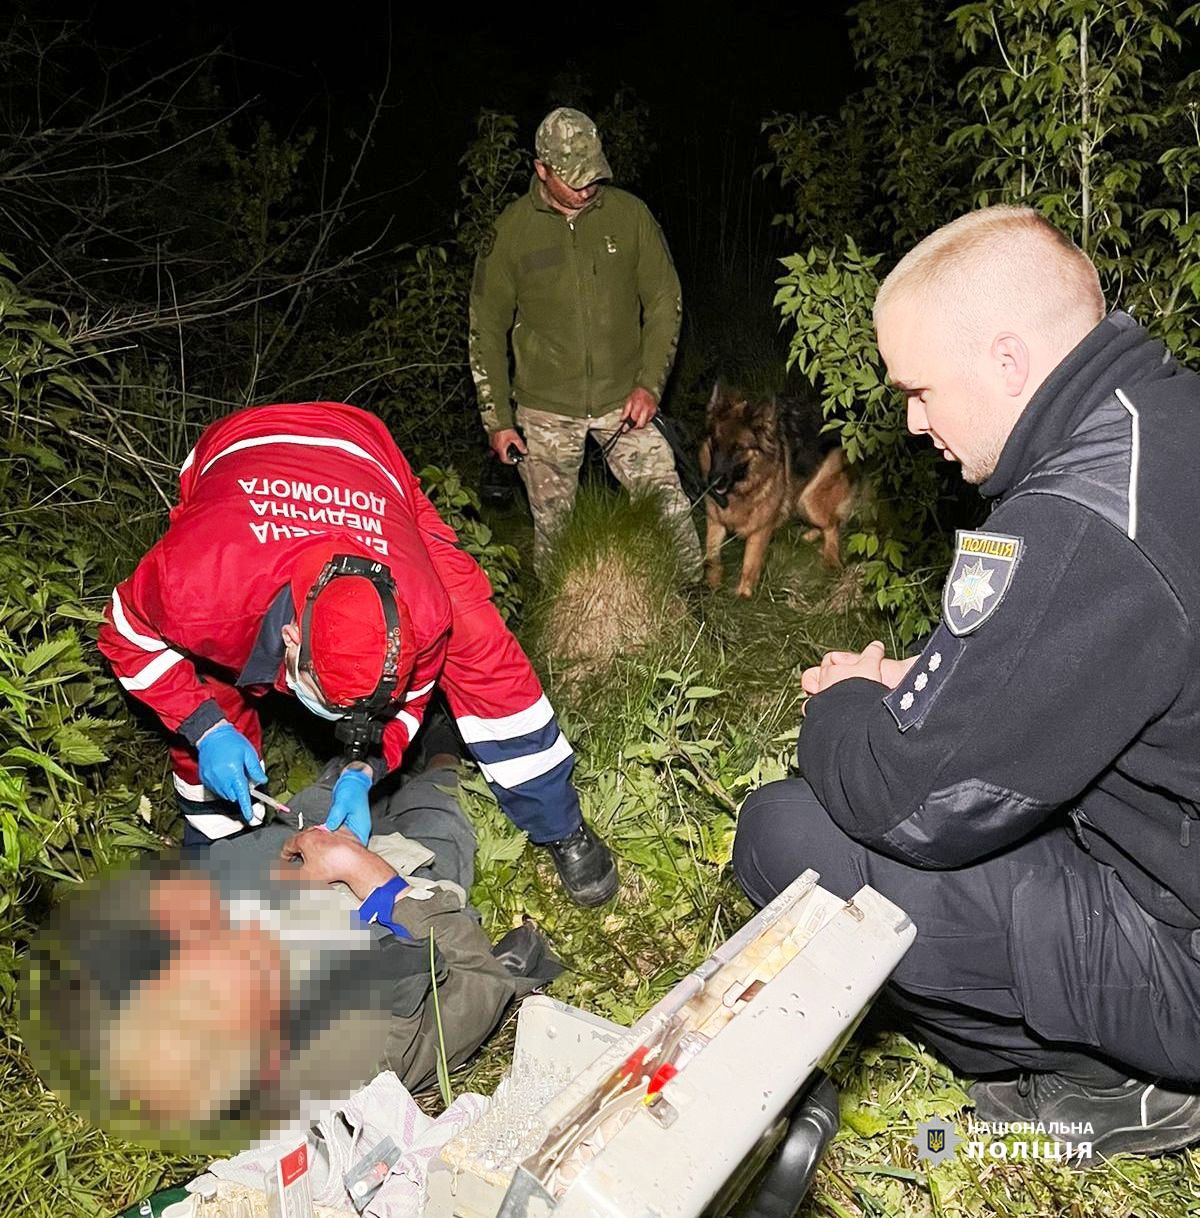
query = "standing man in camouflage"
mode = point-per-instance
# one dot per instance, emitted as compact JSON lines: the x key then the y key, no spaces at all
{"x":580,"y":274}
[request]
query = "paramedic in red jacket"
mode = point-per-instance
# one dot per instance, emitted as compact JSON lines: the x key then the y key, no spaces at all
{"x":304,"y":557}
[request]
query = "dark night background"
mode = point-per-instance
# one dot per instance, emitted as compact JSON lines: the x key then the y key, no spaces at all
{"x":175,"y":245}
{"x":709,"y":75}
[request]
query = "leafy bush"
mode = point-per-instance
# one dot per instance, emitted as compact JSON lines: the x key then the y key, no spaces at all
{"x":418,"y":330}
{"x":60,"y":720}
{"x":879,"y":170}
{"x":875,"y":177}
{"x":458,"y":506}
{"x":418,"y":333}
{"x":1067,"y":108}
{"x":901,"y":542}
{"x":1078,"y":110}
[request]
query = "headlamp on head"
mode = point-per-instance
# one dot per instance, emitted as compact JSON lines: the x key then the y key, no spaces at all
{"x":352,"y":634}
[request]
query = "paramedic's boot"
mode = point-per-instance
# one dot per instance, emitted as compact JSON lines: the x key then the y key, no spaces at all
{"x":585,"y":867}
{"x":1127,"y":1115}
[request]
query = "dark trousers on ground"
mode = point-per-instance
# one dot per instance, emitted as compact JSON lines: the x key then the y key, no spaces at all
{"x":1021,"y":961}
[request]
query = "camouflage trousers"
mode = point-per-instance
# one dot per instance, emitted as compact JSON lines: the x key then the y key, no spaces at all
{"x":641,"y":459}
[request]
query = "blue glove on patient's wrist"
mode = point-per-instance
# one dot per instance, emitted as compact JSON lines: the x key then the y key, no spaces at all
{"x":351,"y":807}
{"x":228,"y":764}
{"x":378,"y":907}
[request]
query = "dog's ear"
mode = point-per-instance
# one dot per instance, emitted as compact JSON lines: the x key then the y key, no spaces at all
{"x":761,"y":411}
{"x":715,"y":396}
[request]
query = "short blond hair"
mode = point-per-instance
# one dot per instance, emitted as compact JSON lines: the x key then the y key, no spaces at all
{"x":1002,"y":263}
{"x":166,"y":1056}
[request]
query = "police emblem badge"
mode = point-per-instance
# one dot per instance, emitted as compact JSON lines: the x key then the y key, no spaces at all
{"x":936,"y":1140}
{"x":980,"y":575}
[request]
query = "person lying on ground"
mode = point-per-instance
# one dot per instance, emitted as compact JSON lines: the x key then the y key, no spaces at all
{"x":203,"y":1001}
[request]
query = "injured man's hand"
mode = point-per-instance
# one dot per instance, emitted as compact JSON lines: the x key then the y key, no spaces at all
{"x":320,"y":857}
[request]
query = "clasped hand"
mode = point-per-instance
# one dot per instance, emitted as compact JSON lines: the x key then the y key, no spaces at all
{"x":870,"y":663}
{"x":640,"y":407}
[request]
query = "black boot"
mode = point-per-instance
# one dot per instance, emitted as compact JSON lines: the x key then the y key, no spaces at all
{"x":1127,"y":1115}
{"x":525,"y":953}
{"x":585,"y":867}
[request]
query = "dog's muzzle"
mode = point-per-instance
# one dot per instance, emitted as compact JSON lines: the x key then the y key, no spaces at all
{"x":727,"y":480}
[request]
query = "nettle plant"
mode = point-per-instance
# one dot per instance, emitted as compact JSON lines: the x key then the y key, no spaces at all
{"x":900,"y":542}
{"x":458,"y":505}
{"x":65,"y":754}
{"x":1076,"y":108}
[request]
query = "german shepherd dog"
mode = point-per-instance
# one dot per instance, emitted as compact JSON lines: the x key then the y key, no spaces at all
{"x":769,"y":460}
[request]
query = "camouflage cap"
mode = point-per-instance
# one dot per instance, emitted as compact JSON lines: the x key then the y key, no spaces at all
{"x":569,"y":143}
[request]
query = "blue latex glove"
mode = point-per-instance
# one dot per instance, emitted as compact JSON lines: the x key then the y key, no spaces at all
{"x":226,"y":758}
{"x":351,"y":806}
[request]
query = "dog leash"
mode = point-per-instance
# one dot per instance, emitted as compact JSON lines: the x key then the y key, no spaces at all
{"x":718,"y":497}
{"x":683,"y":461}
{"x":687,"y":471}
{"x":611,"y":442}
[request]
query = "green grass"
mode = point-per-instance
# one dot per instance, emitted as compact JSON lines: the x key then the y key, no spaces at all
{"x":667,"y":812}
{"x":668,"y":742}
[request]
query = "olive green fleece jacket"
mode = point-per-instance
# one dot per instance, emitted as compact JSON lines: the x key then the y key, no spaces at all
{"x":593,"y":305}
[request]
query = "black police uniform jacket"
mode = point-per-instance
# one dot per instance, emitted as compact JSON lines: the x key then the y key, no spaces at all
{"x":1063,"y":683}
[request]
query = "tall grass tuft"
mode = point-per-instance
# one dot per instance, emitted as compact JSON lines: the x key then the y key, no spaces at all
{"x":611,"y":589}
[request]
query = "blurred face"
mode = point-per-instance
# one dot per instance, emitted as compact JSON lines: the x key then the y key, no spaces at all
{"x":946,"y":390}
{"x":242,"y":964}
{"x":207,"y":1029}
{"x":561,"y":196}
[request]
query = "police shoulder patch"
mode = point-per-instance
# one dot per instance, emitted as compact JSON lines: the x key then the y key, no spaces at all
{"x":982,"y":572}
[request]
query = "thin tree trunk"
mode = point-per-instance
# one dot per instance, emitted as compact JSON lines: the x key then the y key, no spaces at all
{"x":1024,"y":139}
{"x":1085,"y":147}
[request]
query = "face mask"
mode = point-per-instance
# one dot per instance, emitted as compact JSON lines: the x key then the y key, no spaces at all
{"x":309,"y":702}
